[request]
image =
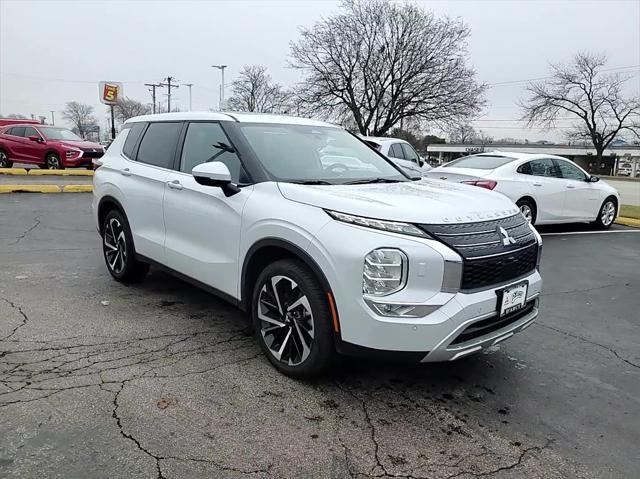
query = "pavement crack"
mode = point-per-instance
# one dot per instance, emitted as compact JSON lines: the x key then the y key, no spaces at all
{"x":27,"y":231}
{"x":25,"y":318}
{"x":586,"y":290}
{"x":588,"y":341}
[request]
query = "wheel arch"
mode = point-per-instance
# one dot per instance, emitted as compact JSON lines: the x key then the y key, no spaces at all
{"x":265,"y":252}
{"x":106,"y":204}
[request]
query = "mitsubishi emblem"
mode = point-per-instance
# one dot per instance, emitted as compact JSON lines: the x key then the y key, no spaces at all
{"x":506,"y":239}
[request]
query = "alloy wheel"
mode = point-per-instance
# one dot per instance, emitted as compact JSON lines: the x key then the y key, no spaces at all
{"x":526,"y":212}
{"x":115,"y":246}
{"x":286,"y":320}
{"x":3,"y":160}
{"x":53,"y":163}
{"x":608,"y":213}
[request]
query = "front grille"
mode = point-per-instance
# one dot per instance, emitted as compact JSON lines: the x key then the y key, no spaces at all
{"x":493,"y":252}
{"x":494,"y":323}
{"x":90,"y":153}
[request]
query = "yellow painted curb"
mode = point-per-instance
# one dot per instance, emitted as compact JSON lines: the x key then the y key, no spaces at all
{"x":38,"y":172}
{"x":77,"y":188}
{"x":621,"y":220}
{"x":13,"y":171}
{"x":30,"y":189}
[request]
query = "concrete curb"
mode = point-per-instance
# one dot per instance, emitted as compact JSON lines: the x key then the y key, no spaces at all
{"x":77,"y":188}
{"x":39,"y":172}
{"x":30,"y":189}
{"x":633,"y":222}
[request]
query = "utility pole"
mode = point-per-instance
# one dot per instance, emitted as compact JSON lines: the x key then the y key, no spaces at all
{"x":189,"y":85}
{"x":52,"y":119}
{"x":169,"y":87}
{"x":221,"y":68}
{"x":153,"y":93}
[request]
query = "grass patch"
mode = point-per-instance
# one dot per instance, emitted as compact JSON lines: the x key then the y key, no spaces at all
{"x":630,"y":211}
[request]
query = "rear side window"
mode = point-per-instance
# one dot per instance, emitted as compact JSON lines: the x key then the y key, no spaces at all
{"x":525,"y":168}
{"x":158,"y":145}
{"x":17,"y":131}
{"x":132,"y":138}
{"x":395,"y":151}
{"x":207,"y":142}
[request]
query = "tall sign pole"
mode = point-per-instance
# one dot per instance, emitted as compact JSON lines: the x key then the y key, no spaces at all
{"x":221,"y":68}
{"x":110,"y":93}
{"x":189,"y":85}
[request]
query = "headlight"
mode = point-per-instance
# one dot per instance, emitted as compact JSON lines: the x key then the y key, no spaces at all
{"x":390,"y":226}
{"x":384,"y":272}
{"x":72,"y":153}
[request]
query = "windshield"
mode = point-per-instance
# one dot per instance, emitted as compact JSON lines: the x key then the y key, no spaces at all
{"x":312,"y":154}
{"x":481,"y":162}
{"x":59,"y":134}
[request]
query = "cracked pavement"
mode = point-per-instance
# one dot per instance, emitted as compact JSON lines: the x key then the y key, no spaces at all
{"x":162,"y":380}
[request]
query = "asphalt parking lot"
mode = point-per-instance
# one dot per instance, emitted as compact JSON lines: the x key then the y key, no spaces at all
{"x":161,"y":380}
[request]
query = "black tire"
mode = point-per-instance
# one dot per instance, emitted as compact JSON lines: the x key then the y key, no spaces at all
{"x":52,"y":162}
{"x":313,"y":329}
{"x":528,"y":209}
{"x":121,"y":262}
{"x":607,"y":214}
{"x":5,"y":162}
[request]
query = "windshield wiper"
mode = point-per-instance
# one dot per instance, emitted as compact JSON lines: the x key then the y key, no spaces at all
{"x":312,"y":182}
{"x":373,"y":180}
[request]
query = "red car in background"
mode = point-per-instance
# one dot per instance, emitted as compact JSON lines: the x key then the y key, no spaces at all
{"x":49,"y":147}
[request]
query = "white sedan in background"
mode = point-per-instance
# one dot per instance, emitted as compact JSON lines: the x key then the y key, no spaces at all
{"x":547,"y":189}
{"x":400,"y":152}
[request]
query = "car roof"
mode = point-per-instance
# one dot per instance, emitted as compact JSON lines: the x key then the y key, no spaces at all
{"x":382,"y":139}
{"x":231,"y":116}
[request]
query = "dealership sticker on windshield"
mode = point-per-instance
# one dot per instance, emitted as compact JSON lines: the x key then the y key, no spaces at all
{"x":513,"y":298}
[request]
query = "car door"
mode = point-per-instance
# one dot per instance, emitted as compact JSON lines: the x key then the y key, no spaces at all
{"x":33,"y":150}
{"x":547,"y":188}
{"x":14,"y":141}
{"x":144,"y":175}
{"x":202,"y":224}
{"x":582,"y":198}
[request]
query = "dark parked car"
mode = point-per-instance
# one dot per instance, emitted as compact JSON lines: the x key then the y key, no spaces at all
{"x":46,"y":146}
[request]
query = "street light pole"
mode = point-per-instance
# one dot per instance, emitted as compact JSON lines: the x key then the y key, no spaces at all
{"x":221,"y":68}
{"x":189,"y":85}
{"x":53,"y":122}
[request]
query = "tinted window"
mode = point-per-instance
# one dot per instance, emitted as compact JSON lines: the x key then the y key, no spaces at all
{"x":17,"y":131}
{"x":30,"y":131}
{"x":481,"y":162}
{"x":158,"y":145}
{"x":544,"y":167}
{"x":525,"y":168}
{"x":395,"y":151}
{"x":410,"y":154}
{"x":207,"y":142}
{"x":569,"y":171}
{"x":132,"y":139}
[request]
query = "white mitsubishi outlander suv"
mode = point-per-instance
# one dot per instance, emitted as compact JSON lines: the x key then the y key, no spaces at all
{"x":327,"y":258}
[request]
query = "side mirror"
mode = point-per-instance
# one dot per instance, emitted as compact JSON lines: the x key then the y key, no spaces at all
{"x":215,"y":174}
{"x":36,"y":138}
{"x":593,"y":179}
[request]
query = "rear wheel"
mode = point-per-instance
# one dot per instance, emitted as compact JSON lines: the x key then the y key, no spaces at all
{"x":607,"y":214}
{"x":52,"y":162}
{"x":5,"y":162}
{"x":292,"y":320}
{"x":528,"y":209}
{"x":118,"y":250}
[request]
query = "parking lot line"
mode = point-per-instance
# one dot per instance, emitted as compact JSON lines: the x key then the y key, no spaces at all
{"x":589,"y":232}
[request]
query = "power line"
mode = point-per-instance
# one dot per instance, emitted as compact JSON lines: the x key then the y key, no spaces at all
{"x":153,"y":92}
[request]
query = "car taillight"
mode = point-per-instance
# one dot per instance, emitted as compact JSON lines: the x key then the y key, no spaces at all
{"x":488,"y":184}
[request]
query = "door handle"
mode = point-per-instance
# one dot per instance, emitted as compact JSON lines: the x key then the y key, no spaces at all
{"x":570,"y":186}
{"x":126,"y":172}
{"x":174,"y":185}
{"x":537,"y":184}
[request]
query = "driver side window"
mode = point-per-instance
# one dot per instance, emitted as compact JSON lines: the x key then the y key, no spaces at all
{"x":395,"y":151}
{"x":205,"y":142}
{"x":569,"y":171}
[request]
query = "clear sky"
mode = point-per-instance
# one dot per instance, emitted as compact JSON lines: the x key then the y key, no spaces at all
{"x":55,"y":51}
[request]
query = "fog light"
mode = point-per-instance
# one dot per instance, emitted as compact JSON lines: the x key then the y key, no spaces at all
{"x":398,"y":310}
{"x":384,"y":272}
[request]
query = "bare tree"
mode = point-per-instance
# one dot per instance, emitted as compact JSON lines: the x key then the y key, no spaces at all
{"x":128,"y":108}
{"x":461,"y":133}
{"x":254,"y":91}
{"x":378,"y":63}
{"x":583,"y":91}
{"x":80,"y":115}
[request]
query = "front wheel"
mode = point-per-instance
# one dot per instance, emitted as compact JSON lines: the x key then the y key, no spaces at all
{"x":528,"y":210}
{"x":291,"y":319}
{"x":52,"y":162}
{"x":606,"y":215}
{"x":119,"y":252}
{"x":5,"y":162}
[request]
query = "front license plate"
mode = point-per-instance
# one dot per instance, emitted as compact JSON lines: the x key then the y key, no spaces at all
{"x":513,"y":298}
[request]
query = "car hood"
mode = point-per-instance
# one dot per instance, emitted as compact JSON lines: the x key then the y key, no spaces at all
{"x":81,"y":144}
{"x":424,"y":201}
{"x":409,"y":167}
